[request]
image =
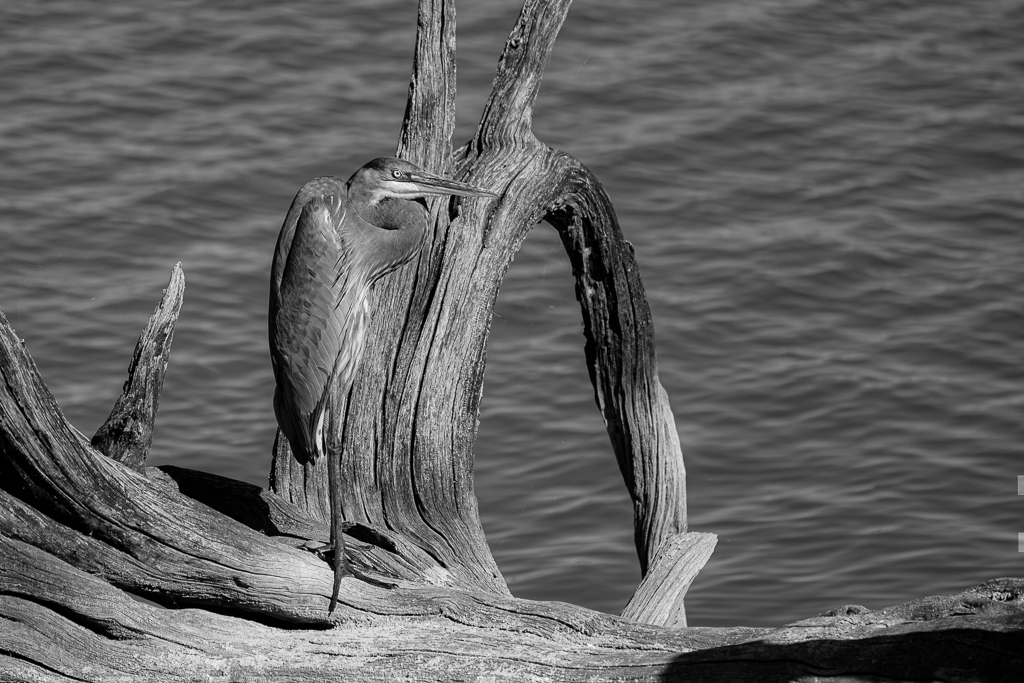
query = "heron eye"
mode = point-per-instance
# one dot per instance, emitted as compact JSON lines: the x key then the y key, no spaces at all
{"x":396,"y":174}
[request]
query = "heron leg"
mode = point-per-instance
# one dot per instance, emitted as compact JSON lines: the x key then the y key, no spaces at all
{"x":338,"y":562}
{"x":339,"y":559}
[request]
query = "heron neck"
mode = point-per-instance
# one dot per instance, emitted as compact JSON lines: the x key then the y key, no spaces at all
{"x":397,"y":227}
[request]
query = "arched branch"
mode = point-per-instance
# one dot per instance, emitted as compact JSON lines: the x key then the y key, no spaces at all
{"x":621,"y":357}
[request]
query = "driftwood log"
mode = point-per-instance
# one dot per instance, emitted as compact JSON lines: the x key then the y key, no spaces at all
{"x":111,"y":570}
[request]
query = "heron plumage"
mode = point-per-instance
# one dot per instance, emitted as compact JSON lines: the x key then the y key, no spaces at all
{"x":319,"y":320}
{"x":337,"y":240}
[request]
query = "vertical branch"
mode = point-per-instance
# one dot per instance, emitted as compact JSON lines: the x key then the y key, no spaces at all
{"x":429,"y":123}
{"x":508,"y":115}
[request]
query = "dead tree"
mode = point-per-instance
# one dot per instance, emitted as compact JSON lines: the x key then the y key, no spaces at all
{"x":86,"y":529}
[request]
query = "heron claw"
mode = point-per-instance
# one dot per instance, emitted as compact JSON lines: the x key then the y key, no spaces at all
{"x":324,"y":551}
{"x":379,"y":583}
{"x":317,"y":547}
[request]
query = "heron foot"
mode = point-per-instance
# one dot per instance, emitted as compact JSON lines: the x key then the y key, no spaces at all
{"x":325,"y":552}
{"x":379,"y":583}
{"x":319,"y":548}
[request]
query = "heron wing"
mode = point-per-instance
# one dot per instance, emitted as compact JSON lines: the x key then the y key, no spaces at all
{"x":326,"y":186}
{"x":318,"y":313}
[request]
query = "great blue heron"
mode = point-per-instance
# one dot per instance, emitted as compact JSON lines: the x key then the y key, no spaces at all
{"x":337,"y":240}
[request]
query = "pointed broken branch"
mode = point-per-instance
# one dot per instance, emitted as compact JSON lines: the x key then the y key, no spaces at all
{"x":127,"y":434}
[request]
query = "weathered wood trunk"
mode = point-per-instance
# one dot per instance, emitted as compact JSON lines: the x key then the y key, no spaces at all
{"x":86,"y":528}
{"x":412,"y":419}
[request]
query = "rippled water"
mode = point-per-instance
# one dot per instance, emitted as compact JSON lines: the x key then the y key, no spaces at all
{"x":826,"y":201}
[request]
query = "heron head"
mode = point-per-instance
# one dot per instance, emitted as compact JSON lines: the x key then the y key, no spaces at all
{"x":391,"y":177}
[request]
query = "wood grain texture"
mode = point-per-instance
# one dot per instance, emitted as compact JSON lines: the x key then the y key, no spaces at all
{"x":659,"y":598}
{"x":105,"y":635}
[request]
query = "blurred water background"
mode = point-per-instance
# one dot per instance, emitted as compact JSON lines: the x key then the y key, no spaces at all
{"x":826,"y":201}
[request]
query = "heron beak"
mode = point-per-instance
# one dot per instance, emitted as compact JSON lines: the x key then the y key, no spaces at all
{"x":428,"y":183}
